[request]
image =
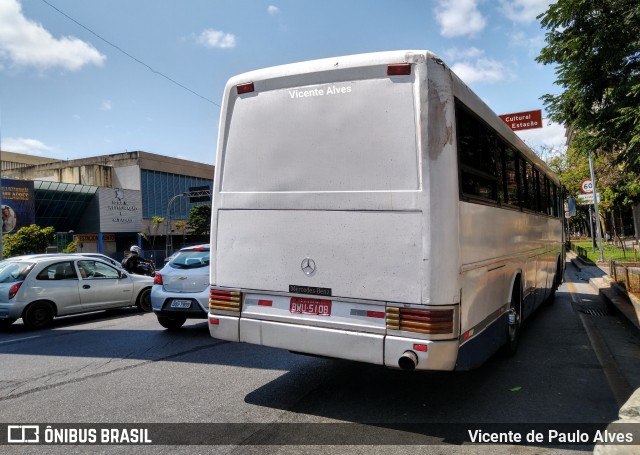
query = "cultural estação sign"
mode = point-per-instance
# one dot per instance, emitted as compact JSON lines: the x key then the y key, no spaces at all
{"x":523,"y":120}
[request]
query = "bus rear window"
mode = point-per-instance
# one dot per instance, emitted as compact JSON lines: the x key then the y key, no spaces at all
{"x":342,"y":136}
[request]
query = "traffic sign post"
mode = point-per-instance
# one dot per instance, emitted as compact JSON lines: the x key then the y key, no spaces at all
{"x":586,"y":186}
{"x":584,"y":199}
{"x":595,"y":208}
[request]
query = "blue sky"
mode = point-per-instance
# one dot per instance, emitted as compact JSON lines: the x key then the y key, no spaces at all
{"x":65,"y":93}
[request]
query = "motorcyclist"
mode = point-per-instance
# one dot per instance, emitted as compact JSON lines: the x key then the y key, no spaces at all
{"x":135,"y":263}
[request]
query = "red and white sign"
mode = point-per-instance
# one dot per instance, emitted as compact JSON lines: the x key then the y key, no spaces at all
{"x":586,"y":186}
{"x":523,"y":120}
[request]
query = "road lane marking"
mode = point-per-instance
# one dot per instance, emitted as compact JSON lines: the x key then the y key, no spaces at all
{"x":20,"y":339}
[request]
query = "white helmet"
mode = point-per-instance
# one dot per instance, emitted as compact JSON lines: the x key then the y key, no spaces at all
{"x":135,"y":249}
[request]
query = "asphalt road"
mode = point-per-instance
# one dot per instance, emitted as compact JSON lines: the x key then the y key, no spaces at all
{"x":122,"y":367}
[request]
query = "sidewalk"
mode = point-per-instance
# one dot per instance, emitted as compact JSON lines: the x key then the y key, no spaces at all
{"x":627,"y":307}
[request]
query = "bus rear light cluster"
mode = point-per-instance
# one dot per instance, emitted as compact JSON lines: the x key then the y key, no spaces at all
{"x":224,"y":300}
{"x":245,"y":88}
{"x":399,"y":69}
{"x":432,"y":322}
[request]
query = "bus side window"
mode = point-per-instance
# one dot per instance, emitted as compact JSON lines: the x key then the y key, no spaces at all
{"x":477,"y":151}
{"x":511,"y":177}
{"x":530,"y":186}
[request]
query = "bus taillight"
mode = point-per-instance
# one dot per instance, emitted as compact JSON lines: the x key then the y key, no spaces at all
{"x":432,"y":322}
{"x":399,"y":69}
{"x":224,"y":300}
{"x":245,"y":88}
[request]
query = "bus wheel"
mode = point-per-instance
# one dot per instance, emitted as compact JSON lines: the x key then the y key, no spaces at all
{"x":513,"y":322}
{"x":557,"y":281}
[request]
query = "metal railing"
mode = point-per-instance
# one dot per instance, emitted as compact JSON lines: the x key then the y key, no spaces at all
{"x":581,"y":252}
{"x":626,"y":274}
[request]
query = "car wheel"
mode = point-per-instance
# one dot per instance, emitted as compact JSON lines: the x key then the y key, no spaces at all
{"x":171,"y":323}
{"x":37,"y":315}
{"x":6,"y":322}
{"x":144,"y":301}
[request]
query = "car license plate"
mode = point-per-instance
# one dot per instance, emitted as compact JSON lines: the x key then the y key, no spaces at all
{"x":181,"y":304}
{"x":310,"y":306}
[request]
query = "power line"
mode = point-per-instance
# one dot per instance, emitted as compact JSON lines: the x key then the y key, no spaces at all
{"x":129,"y":55}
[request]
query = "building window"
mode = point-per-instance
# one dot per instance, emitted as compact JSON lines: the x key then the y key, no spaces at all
{"x":158,"y":188}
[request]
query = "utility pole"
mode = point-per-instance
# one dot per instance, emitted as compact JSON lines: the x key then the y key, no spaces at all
{"x":595,"y":207}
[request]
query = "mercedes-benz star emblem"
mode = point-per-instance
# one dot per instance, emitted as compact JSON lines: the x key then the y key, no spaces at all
{"x":308,"y":266}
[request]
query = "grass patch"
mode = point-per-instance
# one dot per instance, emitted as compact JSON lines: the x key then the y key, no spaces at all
{"x":611,"y":252}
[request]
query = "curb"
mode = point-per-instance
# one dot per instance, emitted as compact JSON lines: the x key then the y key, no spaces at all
{"x":627,"y":306}
{"x":616,"y":297}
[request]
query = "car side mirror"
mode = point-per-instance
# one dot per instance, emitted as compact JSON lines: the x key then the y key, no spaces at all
{"x":121,"y":275}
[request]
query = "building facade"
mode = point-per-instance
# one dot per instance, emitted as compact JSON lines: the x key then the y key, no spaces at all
{"x":105,"y":202}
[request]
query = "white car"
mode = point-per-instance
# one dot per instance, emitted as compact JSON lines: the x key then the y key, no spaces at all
{"x":104,"y":257}
{"x":39,"y":288}
{"x":181,"y":289}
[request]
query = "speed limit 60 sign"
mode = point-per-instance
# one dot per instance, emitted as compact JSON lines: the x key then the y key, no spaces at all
{"x":586,"y":186}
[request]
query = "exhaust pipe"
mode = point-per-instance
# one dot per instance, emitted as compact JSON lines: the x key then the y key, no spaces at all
{"x":408,"y":361}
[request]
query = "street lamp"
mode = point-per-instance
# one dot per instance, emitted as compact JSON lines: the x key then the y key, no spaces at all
{"x":169,"y":241}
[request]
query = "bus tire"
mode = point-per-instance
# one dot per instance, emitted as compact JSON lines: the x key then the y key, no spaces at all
{"x":557,"y":280}
{"x":514,"y":320}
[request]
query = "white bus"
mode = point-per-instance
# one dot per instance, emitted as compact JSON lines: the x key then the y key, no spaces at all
{"x":373,"y":208}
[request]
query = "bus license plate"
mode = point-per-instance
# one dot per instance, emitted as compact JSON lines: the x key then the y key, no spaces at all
{"x":181,"y":304}
{"x":310,"y":306}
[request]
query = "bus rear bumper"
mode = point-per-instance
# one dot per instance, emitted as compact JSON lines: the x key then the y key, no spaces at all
{"x":371,"y":348}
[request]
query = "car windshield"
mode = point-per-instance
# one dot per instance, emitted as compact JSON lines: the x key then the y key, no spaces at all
{"x":191,"y":259}
{"x":15,"y":271}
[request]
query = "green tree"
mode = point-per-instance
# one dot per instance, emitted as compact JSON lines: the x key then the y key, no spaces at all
{"x":156,"y":223}
{"x":181,"y":226}
{"x":618,"y":187}
{"x":71,"y":247}
{"x":199,"y":221}
{"x":29,"y":239}
{"x":595,"y":46}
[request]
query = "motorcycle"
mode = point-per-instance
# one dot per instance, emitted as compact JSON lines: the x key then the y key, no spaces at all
{"x":142,"y":267}
{"x":145,"y":268}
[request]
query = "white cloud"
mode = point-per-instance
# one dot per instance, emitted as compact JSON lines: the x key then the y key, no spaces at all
{"x":482,"y":70}
{"x":273,"y":10}
{"x":532,"y":44}
{"x":551,"y":135}
{"x":106,"y":105}
{"x":459,"y":18}
{"x":524,"y":10}
{"x":454,"y":53}
{"x":25,"y":43}
{"x":216,"y":39}
{"x":23,"y":145}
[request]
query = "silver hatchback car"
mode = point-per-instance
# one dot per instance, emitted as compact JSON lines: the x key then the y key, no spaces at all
{"x":39,"y":288}
{"x":181,"y":288}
